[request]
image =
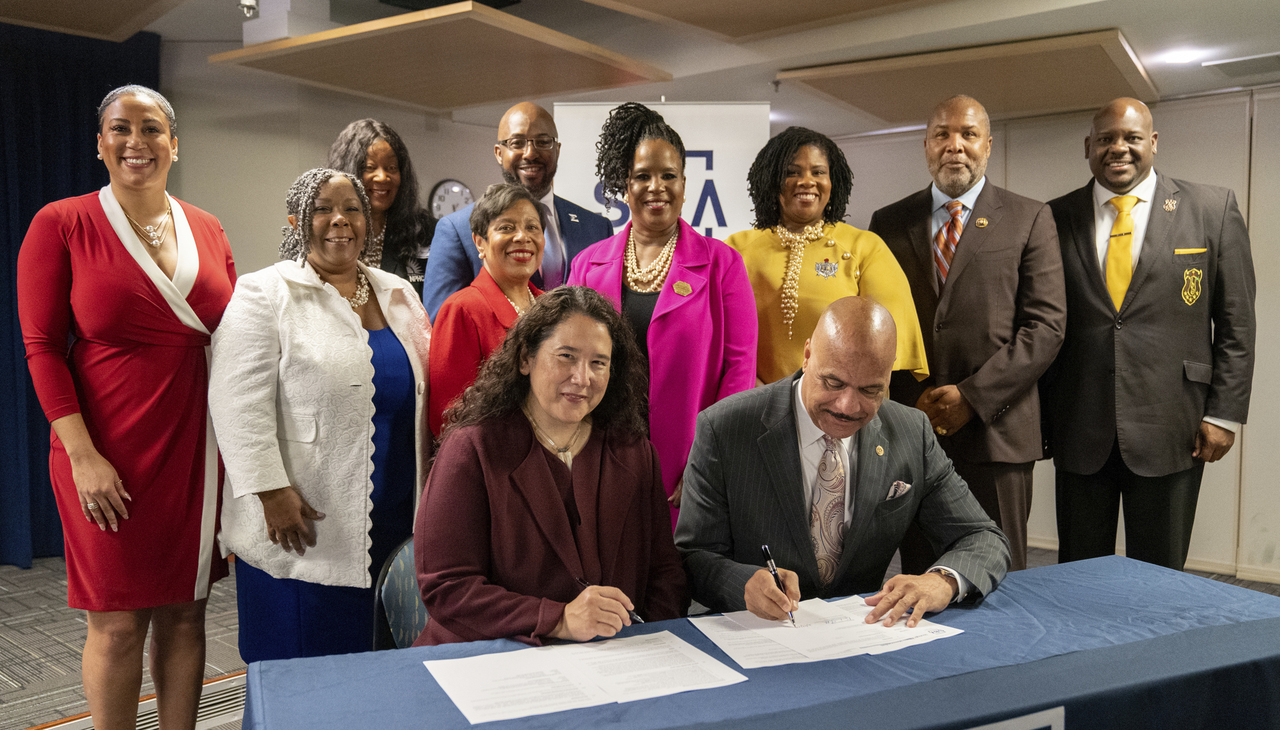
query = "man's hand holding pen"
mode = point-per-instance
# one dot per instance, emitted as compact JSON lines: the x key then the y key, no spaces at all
{"x":765,"y":600}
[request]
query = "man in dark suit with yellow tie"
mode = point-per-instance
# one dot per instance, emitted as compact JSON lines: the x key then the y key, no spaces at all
{"x":1154,"y":377}
{"x":986,"y":276}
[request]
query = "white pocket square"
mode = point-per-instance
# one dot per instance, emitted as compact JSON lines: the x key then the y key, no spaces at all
{"x":897,"y":490}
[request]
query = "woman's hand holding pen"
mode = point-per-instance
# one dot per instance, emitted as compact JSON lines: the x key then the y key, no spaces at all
{"x":597,"y":611}
{"x":766,"y":601}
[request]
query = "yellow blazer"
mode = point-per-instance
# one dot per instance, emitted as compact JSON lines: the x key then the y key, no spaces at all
{"x":863,"y":265}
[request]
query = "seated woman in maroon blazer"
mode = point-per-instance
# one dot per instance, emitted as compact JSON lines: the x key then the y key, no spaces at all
{"x":506,"y":225}
{"x":544,"y":516}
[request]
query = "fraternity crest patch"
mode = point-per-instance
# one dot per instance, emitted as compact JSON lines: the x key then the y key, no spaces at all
{"x":1191,"y":285}
{"x":826,"y":268}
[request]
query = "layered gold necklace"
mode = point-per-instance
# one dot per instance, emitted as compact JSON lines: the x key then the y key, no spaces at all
{"x":153,"y":236}
{"x":650,"y":278}
{"x":795,"y":244}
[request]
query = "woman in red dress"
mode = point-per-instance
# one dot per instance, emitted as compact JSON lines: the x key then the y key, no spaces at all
{"x":118,"y":292}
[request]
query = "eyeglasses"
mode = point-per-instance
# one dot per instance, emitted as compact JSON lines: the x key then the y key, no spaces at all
{"x":518,"y":144}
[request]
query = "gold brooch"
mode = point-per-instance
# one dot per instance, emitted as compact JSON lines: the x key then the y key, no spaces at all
{"x":879,"y":451}
{"x":682,"y":288}
{"x":982,"y":222}
{"x":1170,"y":205}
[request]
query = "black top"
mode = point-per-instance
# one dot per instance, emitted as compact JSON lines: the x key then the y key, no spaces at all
{"x":637,"y":309}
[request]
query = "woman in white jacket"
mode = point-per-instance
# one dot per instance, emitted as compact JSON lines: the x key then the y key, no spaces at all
{"x":316,"y":393}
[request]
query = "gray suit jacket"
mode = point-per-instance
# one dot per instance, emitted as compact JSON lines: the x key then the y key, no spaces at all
{"x":1180,"y":348}
{"x":743,"y":488}
{"x":995,"y":327}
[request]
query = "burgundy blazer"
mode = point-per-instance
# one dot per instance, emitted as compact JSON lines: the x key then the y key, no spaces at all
{"x":470,"y":325}
{"x":495,"y":552}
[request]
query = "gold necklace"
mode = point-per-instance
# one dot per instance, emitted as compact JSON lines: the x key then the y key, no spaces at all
{"x":650,"y":278}
{"x":565,"y":453}
{"x":795,"y":244}
{"x":153,"y":236}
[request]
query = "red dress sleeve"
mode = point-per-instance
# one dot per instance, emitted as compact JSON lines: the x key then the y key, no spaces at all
{"x":44,"y":309}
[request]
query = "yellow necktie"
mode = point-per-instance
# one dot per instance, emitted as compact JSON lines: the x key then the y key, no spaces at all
{"x":1120,"y":249}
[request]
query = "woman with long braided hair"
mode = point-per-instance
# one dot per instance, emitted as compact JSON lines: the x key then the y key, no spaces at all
{"x":801,"y":256}
{"x":685,"y":295}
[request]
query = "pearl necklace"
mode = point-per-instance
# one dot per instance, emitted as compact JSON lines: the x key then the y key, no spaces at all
{"x":795,"y":244}
{"x":153,"y":236}
{"x":372,"y":255}
{"x":565,"y":453}
{"x":519,"y":311}
{"x":650,"y":278}
{"x":361,"y":296}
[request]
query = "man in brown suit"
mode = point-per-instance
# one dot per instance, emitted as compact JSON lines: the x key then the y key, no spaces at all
{"x":986,"y":276}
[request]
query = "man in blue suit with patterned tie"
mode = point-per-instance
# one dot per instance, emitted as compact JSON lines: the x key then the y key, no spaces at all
{"x":528,"y":150}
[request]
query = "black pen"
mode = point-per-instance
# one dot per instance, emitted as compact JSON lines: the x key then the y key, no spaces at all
{"x":773,"y":570}
{"x":635,"y":617}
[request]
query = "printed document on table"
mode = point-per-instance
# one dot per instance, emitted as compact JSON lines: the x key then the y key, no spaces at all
{"x":568,"y":676}
{"x":822,"y":631}
{"x":746,"y":647}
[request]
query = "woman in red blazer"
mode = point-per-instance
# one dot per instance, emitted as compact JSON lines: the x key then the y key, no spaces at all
{"x":507,"y":225}
{"x":544,"y":515}
{"x":686,"y":296}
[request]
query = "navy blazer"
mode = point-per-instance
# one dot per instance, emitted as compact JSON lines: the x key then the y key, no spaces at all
{"x":454,"y":262}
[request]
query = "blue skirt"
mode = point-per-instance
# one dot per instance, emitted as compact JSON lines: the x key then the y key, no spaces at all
{"x":281,"y":618}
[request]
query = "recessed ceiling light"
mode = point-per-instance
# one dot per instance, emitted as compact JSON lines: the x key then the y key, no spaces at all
{"x":1182,"y":55}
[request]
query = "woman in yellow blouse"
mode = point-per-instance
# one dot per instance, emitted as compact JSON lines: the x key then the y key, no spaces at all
{"x":800,"y":257}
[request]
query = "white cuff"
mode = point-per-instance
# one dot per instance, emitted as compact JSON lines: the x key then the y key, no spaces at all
{"x":962,"y":585}
{"x":1232,"y":426}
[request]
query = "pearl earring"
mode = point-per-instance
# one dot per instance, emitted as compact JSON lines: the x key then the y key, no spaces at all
{"x":99,"y":155}
{"x":175,"y":158}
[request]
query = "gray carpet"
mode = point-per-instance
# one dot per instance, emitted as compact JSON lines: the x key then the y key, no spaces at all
{"x":41,"y":639}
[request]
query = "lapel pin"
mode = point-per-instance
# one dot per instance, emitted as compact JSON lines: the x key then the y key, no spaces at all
{"x":982,"y":222}
{"x":1170,"y":205}
{"x":682,"y":288}
{"x":879,"y":451}
{"x":826,"y":268}
{"x":573,"y":217}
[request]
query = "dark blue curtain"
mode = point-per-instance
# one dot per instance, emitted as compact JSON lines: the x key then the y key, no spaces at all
{"x":50,"y":86}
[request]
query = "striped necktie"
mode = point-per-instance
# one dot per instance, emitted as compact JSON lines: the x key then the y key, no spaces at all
{"x":944,"y":244}
{"x":1120,"y":249}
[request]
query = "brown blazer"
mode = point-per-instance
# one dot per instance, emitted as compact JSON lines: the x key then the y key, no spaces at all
{"x":995,"y":326}
{"x":496,"y":554}
{"x":1180,"y":348}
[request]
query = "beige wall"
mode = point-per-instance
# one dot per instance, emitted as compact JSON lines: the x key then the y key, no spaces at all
{"x":1207,"y":140}
{"x":244,"y":137}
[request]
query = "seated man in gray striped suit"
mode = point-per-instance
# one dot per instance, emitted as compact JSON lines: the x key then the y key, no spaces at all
{"x":768,"y":467}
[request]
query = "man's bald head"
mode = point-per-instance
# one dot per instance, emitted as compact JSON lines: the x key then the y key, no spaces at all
{"x":530,"y":167}
{"x":1121,"y":146}
{"x":847,"y":363}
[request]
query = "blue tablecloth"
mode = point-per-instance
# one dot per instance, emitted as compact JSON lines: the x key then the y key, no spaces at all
{"x":1112,"y":639}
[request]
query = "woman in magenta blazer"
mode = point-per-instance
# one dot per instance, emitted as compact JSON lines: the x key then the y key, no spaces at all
{"x":686,"y":296}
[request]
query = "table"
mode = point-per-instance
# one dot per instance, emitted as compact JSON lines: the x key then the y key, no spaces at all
{"x":1120,"y":644}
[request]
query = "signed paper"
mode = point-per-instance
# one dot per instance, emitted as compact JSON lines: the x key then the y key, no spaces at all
{"x":822,"y":631}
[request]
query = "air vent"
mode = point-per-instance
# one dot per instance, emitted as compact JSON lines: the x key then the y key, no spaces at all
{"x":1265,"y":63}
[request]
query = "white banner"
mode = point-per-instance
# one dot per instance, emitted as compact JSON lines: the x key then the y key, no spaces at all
{"x":721,"y":140}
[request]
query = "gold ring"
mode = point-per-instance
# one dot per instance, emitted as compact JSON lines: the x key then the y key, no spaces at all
{"x":940,"y":431}
{"x":91,"y":506}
